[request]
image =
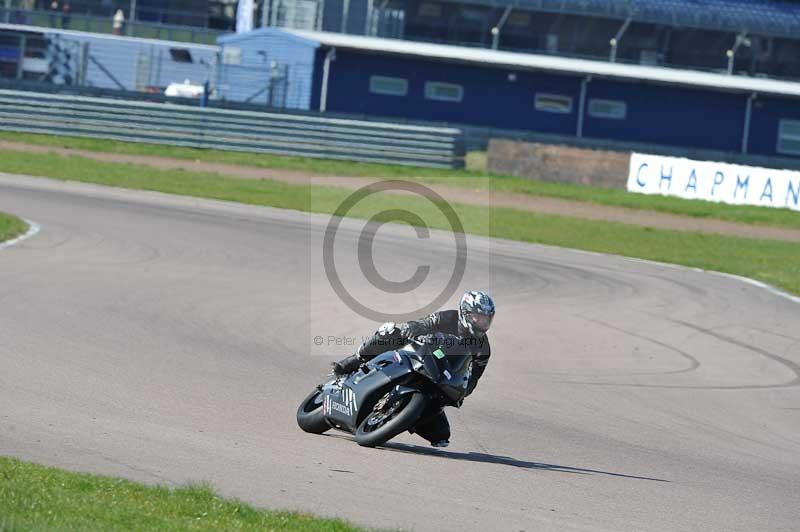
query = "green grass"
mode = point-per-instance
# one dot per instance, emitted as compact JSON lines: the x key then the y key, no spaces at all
{"x":34,"y":497}
{"x":258,"y":160}
{"x":775,"y":262}
{"x":10,"y":227}
{"x":476,"y":179}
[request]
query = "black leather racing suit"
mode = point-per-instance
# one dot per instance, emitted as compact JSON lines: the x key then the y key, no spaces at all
{"x":434,"y":425}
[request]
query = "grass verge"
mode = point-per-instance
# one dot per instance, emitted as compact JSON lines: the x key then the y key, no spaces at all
{"x":10,"y":227}
{"x":463,"y":178}
{"x":774,"y":262}
{"x":34,"y":497}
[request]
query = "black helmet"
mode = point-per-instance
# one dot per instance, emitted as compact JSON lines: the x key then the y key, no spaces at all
{"x":475,"y":312}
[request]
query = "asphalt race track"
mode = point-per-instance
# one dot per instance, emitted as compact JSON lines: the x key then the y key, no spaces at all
{"x":167,"y":340}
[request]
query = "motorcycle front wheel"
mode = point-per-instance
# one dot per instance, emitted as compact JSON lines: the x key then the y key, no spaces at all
{"x":309,"y":414}
{"x":389,"y":417}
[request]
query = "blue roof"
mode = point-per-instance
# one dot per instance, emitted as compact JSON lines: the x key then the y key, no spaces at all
{"x":736,"y":15}
{"x":231,"y":38}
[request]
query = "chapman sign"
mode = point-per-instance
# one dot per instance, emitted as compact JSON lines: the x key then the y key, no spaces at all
{"x":710,"y":181}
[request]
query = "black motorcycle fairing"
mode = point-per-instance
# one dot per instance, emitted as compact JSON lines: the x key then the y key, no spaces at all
{"x":391,"y":364}
{"x":437,"y":370}
{"x":339,"y":406}
{"x":342,"y":406}
{"x":422,"y":361}
{"x":448,"y":366}
{"x":456,"y":377}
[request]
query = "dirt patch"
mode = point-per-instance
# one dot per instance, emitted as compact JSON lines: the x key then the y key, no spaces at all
{"x":560,"y":164}
{"x":456,"y":194}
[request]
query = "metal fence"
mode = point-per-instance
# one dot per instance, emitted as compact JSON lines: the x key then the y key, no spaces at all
{"x":283,"y":134}
{"x":144,"y":28}
{"x":80,"y":59}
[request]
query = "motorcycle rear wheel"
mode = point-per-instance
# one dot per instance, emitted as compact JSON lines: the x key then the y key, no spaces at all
{"x":309,"y":414}
{"x":387,"y":421}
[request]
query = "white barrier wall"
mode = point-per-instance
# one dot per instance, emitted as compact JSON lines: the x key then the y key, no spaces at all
{"x":711,"y":181}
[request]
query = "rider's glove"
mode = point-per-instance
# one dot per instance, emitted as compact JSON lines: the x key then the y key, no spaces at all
{"x":410,"y":330}
{"x":347,"y":365}
{"x":436,"y":339}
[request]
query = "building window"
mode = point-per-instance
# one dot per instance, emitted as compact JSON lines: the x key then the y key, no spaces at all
{"x":553,"y":103}
{"x":789,"y":137}
{"x":388,"y":86}
{"x":615,"y":109}
{"x":231,"y":55}
{"x":445,"y":92}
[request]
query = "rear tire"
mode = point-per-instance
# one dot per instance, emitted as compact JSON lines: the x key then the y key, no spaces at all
{"x":309,"y":414}
{"x":406,"y":415}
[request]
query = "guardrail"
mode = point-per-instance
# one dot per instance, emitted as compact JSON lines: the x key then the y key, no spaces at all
{"x":196,"y":127}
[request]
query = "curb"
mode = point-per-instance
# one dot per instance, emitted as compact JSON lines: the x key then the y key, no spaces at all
{"x":747,"y":280}
{"x":33,"y":229}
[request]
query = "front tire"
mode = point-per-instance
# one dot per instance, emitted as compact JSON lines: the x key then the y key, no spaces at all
{"x":388,"y":420}
{"x":309,"y":414}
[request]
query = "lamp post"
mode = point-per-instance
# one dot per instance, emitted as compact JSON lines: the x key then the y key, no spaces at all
{"x":614,"y":42}
{"x":265,"y":13}
{"x":499,"y":26}
{"x":741,"y":40}
{"x":131,"y":17}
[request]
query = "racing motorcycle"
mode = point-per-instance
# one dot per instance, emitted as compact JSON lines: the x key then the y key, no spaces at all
{"x":389,"y":394}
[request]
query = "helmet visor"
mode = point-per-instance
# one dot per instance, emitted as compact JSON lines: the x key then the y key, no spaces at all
{"x":480,"y":322}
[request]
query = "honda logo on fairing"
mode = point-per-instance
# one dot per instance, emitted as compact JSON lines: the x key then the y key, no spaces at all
{"x":346,"y":409}
{"x":340,"y":408}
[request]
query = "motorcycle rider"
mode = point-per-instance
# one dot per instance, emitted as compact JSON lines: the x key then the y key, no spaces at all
{"x":470,"y":322}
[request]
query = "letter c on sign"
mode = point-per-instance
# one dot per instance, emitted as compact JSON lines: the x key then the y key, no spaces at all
{"x":639,"y":173}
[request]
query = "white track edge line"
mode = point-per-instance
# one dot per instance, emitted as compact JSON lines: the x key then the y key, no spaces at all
{"x":33,"y":228}
{"x":759,"y":284}
{"x":768,"y":287}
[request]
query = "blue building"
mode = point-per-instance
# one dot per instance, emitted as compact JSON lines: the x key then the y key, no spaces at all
{"x":268,"y":66}
{"x":350,"y":74}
